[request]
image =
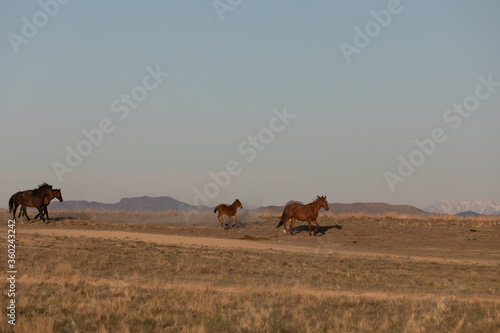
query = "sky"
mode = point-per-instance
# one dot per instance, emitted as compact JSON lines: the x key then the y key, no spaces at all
{"x":366,"y":101}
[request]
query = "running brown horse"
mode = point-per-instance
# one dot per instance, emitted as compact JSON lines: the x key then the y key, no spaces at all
{"x":31,"y":198}
{"x":229,"y":211}
{"x":309,"y":213}
{"x":55,"y":193}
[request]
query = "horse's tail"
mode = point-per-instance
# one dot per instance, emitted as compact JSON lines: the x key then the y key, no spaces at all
{"x":11,"y":204}
{"x":281,"y":220}
{"x":215,"y":210}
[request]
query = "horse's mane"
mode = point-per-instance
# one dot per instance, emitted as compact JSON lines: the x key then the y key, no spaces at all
{"x":43,"y":186}
{"x":318,"y":198}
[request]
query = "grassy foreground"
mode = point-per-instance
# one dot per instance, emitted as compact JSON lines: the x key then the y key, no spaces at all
{"x":94,"y":285}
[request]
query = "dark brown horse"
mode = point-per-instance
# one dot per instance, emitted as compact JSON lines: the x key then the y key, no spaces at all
{"x":55,"y":193}
{"x":32,"y":198}
{"x":229,"y":211}
{"x":309,"y":213}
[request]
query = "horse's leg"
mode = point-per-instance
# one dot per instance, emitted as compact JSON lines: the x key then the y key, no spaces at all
{"x":46,"y":213}
{"x":291,"y":225}
{"x":284,"y":224}
{"x":15,"y":208}
{"x":223,"y":217}
{"x":222,"y":223}
{"x":39,"y":213}
{"x":229,"y":224}
{"x":235,"y":220}
{"x":25,"y":213}
{"x":41,"y":210}
{"x":309,"y":225}
{"x":317,"y":226}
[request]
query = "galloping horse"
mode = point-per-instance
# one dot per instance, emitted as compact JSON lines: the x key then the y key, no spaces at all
{"x":229,"y":211}
{"x":46,"y":201}
{"x":38,"y":198}
{"x":297,"y":211}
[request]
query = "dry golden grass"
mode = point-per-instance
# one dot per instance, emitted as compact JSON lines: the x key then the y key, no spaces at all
{"x":68,"y":284}
{"x":91,"y":285}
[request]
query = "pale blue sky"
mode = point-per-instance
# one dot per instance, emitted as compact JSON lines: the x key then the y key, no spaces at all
{"x":225,"y":78}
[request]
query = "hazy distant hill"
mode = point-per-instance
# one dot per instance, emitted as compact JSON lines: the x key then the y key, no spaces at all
{"x":455,"y":207}
{"x":370,"y":208}
{"x":145,"y":203}
{"x":468,"y":214}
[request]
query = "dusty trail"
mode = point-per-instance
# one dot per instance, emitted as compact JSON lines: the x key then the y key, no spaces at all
{"x":240,"y":244}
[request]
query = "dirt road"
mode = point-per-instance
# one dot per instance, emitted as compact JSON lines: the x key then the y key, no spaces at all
{"x":245,"y":243}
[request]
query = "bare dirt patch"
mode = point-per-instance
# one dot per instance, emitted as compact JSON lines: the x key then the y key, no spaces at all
{"x":258,"y":244}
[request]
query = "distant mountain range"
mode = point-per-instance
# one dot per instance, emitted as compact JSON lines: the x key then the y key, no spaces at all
{"x":374,"y":208}
{"x":454,"y":207}
{"x":164,"y":203}
{"x":145,"y":203}
{"x":157,"y":204}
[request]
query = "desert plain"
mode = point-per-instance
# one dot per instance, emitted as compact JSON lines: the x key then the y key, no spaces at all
{"x":91,"y":271}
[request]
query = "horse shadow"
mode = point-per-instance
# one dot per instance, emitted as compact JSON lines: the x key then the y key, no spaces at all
{"x":321,"y":230}
{"x":62,"y":218}
{"x":240,"y":224}
{"x":53,"y":219}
